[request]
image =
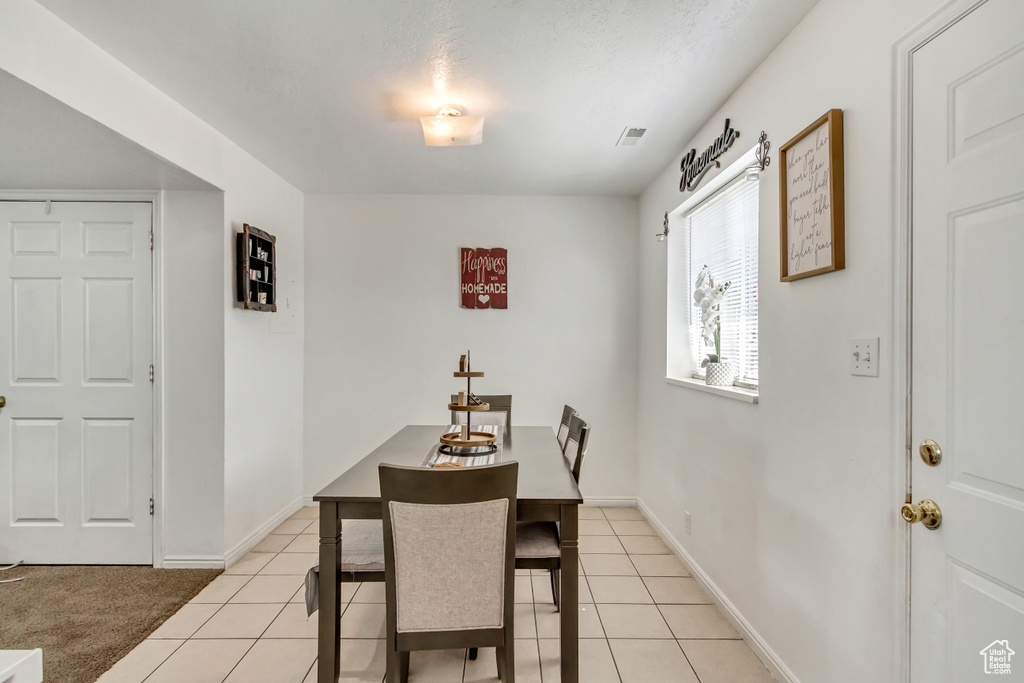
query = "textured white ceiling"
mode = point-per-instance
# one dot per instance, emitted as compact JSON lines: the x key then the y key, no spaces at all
{"x":48,"y":145}
{"x":328,"y":93}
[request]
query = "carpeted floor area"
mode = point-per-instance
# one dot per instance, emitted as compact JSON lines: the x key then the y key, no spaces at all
{"x":87,"y":618}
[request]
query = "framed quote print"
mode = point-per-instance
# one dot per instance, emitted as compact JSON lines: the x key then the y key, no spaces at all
{"x":484,"y":278}
{"x":812,"y":206}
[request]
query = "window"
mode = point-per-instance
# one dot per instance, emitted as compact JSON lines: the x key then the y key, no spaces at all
{"x":717,"y":228}
{"x":722,"y":234}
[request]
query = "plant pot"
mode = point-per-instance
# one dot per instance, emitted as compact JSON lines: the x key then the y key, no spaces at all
{"x":719,"y":375}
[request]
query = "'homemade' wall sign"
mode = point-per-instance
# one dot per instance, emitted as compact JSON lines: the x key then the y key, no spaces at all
{"x":484,"y":278}
{"x":694,"y":167}
{"x":812,"y":224}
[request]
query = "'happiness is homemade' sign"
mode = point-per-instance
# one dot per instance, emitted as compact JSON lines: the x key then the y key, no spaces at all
{"x":484,"y":278}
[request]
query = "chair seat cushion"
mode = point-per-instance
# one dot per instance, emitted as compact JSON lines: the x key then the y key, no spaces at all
{"x":536,"y":540}
{"x":362,"y":550}
{"x":362,"y":545}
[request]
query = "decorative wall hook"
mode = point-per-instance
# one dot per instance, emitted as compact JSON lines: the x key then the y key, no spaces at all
{"x":762,"y":151}
{"x":664,"y":230}
{"x":762,"y":157}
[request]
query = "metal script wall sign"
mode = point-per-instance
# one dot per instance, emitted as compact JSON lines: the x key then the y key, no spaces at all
{"x":484,"y":278}
{"x":694,"y":167}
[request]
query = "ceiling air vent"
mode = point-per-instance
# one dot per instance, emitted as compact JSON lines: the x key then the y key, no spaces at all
{"x":631,"y":137}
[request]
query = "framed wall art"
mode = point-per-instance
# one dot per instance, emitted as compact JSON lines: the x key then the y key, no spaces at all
{"x":812,"y":205}
{"x":484,"y":278}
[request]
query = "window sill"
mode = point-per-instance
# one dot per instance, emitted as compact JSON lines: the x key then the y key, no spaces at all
{"x":735,"y":393}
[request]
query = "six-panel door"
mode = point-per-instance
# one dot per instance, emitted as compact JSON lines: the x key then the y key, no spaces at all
{"x":76,"y":344}
{"x":967,"y":576}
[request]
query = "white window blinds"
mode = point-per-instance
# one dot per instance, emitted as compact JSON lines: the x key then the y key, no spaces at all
{"x":722,"y":234}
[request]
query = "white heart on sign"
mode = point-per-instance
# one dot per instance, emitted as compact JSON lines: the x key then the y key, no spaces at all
{"x":484,"y":298}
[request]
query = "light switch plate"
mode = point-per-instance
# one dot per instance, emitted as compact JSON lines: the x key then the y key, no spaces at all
{"x":864,"y":357}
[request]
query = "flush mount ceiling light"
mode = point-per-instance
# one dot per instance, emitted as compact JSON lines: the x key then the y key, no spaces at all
{"x":451,"y":129}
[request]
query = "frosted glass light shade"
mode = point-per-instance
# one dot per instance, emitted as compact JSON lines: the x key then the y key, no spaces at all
{"x":447,"y":130}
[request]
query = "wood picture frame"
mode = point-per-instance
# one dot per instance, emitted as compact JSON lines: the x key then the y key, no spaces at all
{"x":812,"y":230}
{"x":256,"y":256}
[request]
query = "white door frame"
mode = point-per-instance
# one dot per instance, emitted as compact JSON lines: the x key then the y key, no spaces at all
{"x":903,"y":134}
{"x":154,"y":198}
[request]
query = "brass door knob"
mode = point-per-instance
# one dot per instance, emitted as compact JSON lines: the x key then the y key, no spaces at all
{"x":930,"y":452}
{"x":3,"y":401}
{"x":928,"y":513}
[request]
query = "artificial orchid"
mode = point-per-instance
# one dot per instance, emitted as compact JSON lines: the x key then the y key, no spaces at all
{"x":708,"y":296}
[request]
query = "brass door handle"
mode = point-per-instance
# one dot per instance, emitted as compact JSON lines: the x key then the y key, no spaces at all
{"x":928,"y":513}
{"x":3,"y":401}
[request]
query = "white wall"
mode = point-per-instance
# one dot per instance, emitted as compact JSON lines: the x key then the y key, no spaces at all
{"x":263,"y":375}
{"x":384,"y":329}
{"x":261,"y":449}
{"x":794,"y":501}
{"x":192,"y":381}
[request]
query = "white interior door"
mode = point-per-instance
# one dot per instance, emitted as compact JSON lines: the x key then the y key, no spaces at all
{"x":967,"y":576}
{"x":76,"y":344}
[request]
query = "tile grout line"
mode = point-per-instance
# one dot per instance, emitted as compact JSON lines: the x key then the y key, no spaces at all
{"x":536,"y":629}
{"x":144,"y":678}
{"x":600,"y":620}
{"x":257,"y":639}
{"x":657,"y":605}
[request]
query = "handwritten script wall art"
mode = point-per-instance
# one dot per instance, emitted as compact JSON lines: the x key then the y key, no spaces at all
{"x":484,"y":278}
{"x":694,"y":167}
{"x":812,"y":203}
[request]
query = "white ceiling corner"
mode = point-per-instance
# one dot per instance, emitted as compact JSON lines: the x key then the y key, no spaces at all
{"x":48,"y":145}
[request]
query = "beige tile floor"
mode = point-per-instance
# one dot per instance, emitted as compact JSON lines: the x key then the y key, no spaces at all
{"x":642,"y":619}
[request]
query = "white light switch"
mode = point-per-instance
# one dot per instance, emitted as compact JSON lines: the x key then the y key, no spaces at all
{"x":864,"y":357}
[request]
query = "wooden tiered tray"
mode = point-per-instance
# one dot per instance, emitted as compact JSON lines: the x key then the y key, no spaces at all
{"x":466,"y":437}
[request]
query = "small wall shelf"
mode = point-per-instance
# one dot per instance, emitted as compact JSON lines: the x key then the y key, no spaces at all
{"x":257,"y":269}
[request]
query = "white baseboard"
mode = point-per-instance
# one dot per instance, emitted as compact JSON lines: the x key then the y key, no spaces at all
{"x":250,"y":541}
{"x":610,"y":502}
{"x":764,"y":652}
{"x":192,"y":562}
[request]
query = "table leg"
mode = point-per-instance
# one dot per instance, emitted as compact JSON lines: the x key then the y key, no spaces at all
{"x":329,"y":632}
{"x":570,"y":597}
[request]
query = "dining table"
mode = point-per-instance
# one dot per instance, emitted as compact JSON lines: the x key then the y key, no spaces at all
{"x":546,"y":492}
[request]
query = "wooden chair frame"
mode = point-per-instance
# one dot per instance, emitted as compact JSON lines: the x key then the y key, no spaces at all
{"x":580,"y":431}
{"x":449,"y":487}
{"x":567,"y":412}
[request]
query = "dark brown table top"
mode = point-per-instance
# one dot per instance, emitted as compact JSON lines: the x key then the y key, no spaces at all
{"x":543,"y":474}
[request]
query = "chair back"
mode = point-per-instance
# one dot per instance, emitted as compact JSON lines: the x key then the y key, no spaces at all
{"x":500,"y":403}
{"x":576,"y":445}
{"x":449,"y":547}
{"x":563,"y":426}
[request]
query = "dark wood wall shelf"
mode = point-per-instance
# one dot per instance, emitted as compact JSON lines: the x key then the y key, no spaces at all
{"x":257,"y":269}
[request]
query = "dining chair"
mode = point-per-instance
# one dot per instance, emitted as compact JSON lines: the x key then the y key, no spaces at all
{"x":537,"y":545}
{"x":500,"y":403}
{"x":362,"y":558}
{"x":563,"y":426}
{"x":449,"y":557}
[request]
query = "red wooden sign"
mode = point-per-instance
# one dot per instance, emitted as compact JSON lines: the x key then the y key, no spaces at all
{"x":484,"y":278}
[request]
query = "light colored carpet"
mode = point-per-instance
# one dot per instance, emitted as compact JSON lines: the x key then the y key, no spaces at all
{"x":87,"y":618}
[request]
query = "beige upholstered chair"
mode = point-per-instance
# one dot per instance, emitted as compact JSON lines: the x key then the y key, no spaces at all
{"x":537,"y":545}
{"x":500,"y":403}
{"x":449,"y":556}
{"x":362,"y":558}
{"x":563,"y":426}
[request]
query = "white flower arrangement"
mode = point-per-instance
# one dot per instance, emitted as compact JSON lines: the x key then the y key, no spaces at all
{"x":708,"y":297}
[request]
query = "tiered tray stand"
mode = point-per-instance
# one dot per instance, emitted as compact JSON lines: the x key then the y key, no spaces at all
{"x":480,"y":442}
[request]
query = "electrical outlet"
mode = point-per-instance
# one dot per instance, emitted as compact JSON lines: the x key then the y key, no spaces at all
{"x":864,"y":357}
{"x":686,"y":514}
